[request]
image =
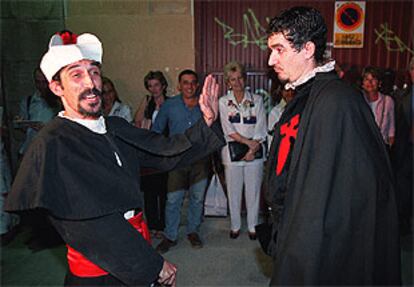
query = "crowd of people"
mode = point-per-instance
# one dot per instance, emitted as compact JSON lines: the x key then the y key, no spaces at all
{"x":334,"y":162}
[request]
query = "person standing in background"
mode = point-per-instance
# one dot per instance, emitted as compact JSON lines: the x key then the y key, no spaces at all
{"x":156,"y":85}
{"x":112,"y":105}
{"x":8,"y":221}
{"x":34,"y":113}
{"x":402,"y":152}
{"x":381,"y":105}
{"x":178,"y":114}
{"x":37,"y":109}
{"x":153,"y":183}
{"x":243,"y":120}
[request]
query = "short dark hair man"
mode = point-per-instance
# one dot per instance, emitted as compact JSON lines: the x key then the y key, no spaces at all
{"x":177,"y":115}
{"x":328,"y":179}
{"x":82,"y":169}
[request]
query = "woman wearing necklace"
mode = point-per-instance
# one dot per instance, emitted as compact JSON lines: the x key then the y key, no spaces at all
{"x":243,"y":121}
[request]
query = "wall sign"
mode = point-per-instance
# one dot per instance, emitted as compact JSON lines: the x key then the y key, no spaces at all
{"x":349,"y":24}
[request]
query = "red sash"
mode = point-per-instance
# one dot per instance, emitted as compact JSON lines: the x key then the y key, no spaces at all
{"x":82,"y":267}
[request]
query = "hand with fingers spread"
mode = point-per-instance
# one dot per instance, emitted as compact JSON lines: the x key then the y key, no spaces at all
{"x":168,"y":273}
{"x":209,"y":100}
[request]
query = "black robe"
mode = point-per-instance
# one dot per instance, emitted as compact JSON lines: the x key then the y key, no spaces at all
{"x":72,"y":173}
{"x":338,"y":223}
{"x":402,"y":157}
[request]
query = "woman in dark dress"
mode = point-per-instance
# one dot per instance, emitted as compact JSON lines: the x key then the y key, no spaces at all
{"x":153,"y":184}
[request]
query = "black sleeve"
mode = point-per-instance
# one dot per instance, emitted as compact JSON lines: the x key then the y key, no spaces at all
{"x":203,"y":140}
{"x":114,"y":245}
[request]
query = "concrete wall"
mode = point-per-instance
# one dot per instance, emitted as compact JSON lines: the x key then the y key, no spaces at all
{"x":138,"y":36}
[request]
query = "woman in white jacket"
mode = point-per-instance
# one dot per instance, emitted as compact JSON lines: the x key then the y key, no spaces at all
{"x":243,"y":121}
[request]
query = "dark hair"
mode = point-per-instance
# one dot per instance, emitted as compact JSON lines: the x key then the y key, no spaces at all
{"x":107,"y":81}
{"x":50,"y":98}
{"x":156,"y":75}
{"x":187,"y":72}
{"x":300,"y":25}
{"x":374,"y":71}
{"x":56,"y":77}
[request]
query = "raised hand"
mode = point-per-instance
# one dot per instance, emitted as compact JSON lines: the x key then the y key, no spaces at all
{"x":209,"y":100}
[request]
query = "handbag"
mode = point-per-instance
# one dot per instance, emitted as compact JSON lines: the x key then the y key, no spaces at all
{"x":238,"y":151}
{"x":215,"y":203}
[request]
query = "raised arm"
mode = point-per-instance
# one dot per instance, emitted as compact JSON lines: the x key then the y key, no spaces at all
{"x":209,"y":100}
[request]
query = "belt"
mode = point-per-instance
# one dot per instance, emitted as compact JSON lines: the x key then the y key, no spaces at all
{"x":80,"y":266}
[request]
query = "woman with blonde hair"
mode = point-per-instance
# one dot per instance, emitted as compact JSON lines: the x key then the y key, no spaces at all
{"x":244,"y":124}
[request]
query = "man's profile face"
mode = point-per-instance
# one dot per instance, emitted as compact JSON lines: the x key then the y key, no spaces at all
{"x":188,"y":85}
{"x":80,"y":89}
{"x":287,"y":62}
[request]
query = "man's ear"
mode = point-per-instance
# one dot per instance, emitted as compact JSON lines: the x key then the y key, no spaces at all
{"x":56,"y":88}
{"x":309,"y":49}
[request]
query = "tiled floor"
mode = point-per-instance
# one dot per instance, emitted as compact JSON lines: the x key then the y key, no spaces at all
{"x":221,"y":262}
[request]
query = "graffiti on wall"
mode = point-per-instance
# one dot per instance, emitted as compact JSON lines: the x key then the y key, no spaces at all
{"x":391,"y":40}
{"x":253,"y":32}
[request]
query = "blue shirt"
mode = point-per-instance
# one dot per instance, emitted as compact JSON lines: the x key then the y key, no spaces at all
{"x":176,"y":115}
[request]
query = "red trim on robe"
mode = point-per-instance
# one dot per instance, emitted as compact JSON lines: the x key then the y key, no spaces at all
{"x":80,"y":266}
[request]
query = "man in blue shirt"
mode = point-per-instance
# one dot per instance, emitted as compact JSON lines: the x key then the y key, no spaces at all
{"x":178,"y":114}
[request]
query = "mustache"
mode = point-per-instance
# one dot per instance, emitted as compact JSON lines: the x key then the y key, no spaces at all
{"x":88,"y":92}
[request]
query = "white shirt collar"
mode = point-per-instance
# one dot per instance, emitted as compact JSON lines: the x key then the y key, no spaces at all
{"x":97,"y":126}
{"x":324,"y":68}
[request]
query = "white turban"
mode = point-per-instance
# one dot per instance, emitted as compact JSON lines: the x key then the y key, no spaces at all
{"x":63,"y":51}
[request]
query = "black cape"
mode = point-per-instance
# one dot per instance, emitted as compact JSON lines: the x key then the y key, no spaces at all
{"x":402,"y":157}
{"x":73,"y":174}
{"x":339,"y":218}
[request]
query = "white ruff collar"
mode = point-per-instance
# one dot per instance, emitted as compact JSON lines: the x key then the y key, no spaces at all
{"x":324,"y":68}
{"x":97,"y":126}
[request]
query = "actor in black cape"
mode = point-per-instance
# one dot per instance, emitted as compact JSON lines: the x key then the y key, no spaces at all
{"x":83,"y":170}
{"x":328,"y":177}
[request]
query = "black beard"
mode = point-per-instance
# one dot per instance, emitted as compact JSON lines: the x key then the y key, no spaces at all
{"x":83,"y":95}
{"x":96,"y":114}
